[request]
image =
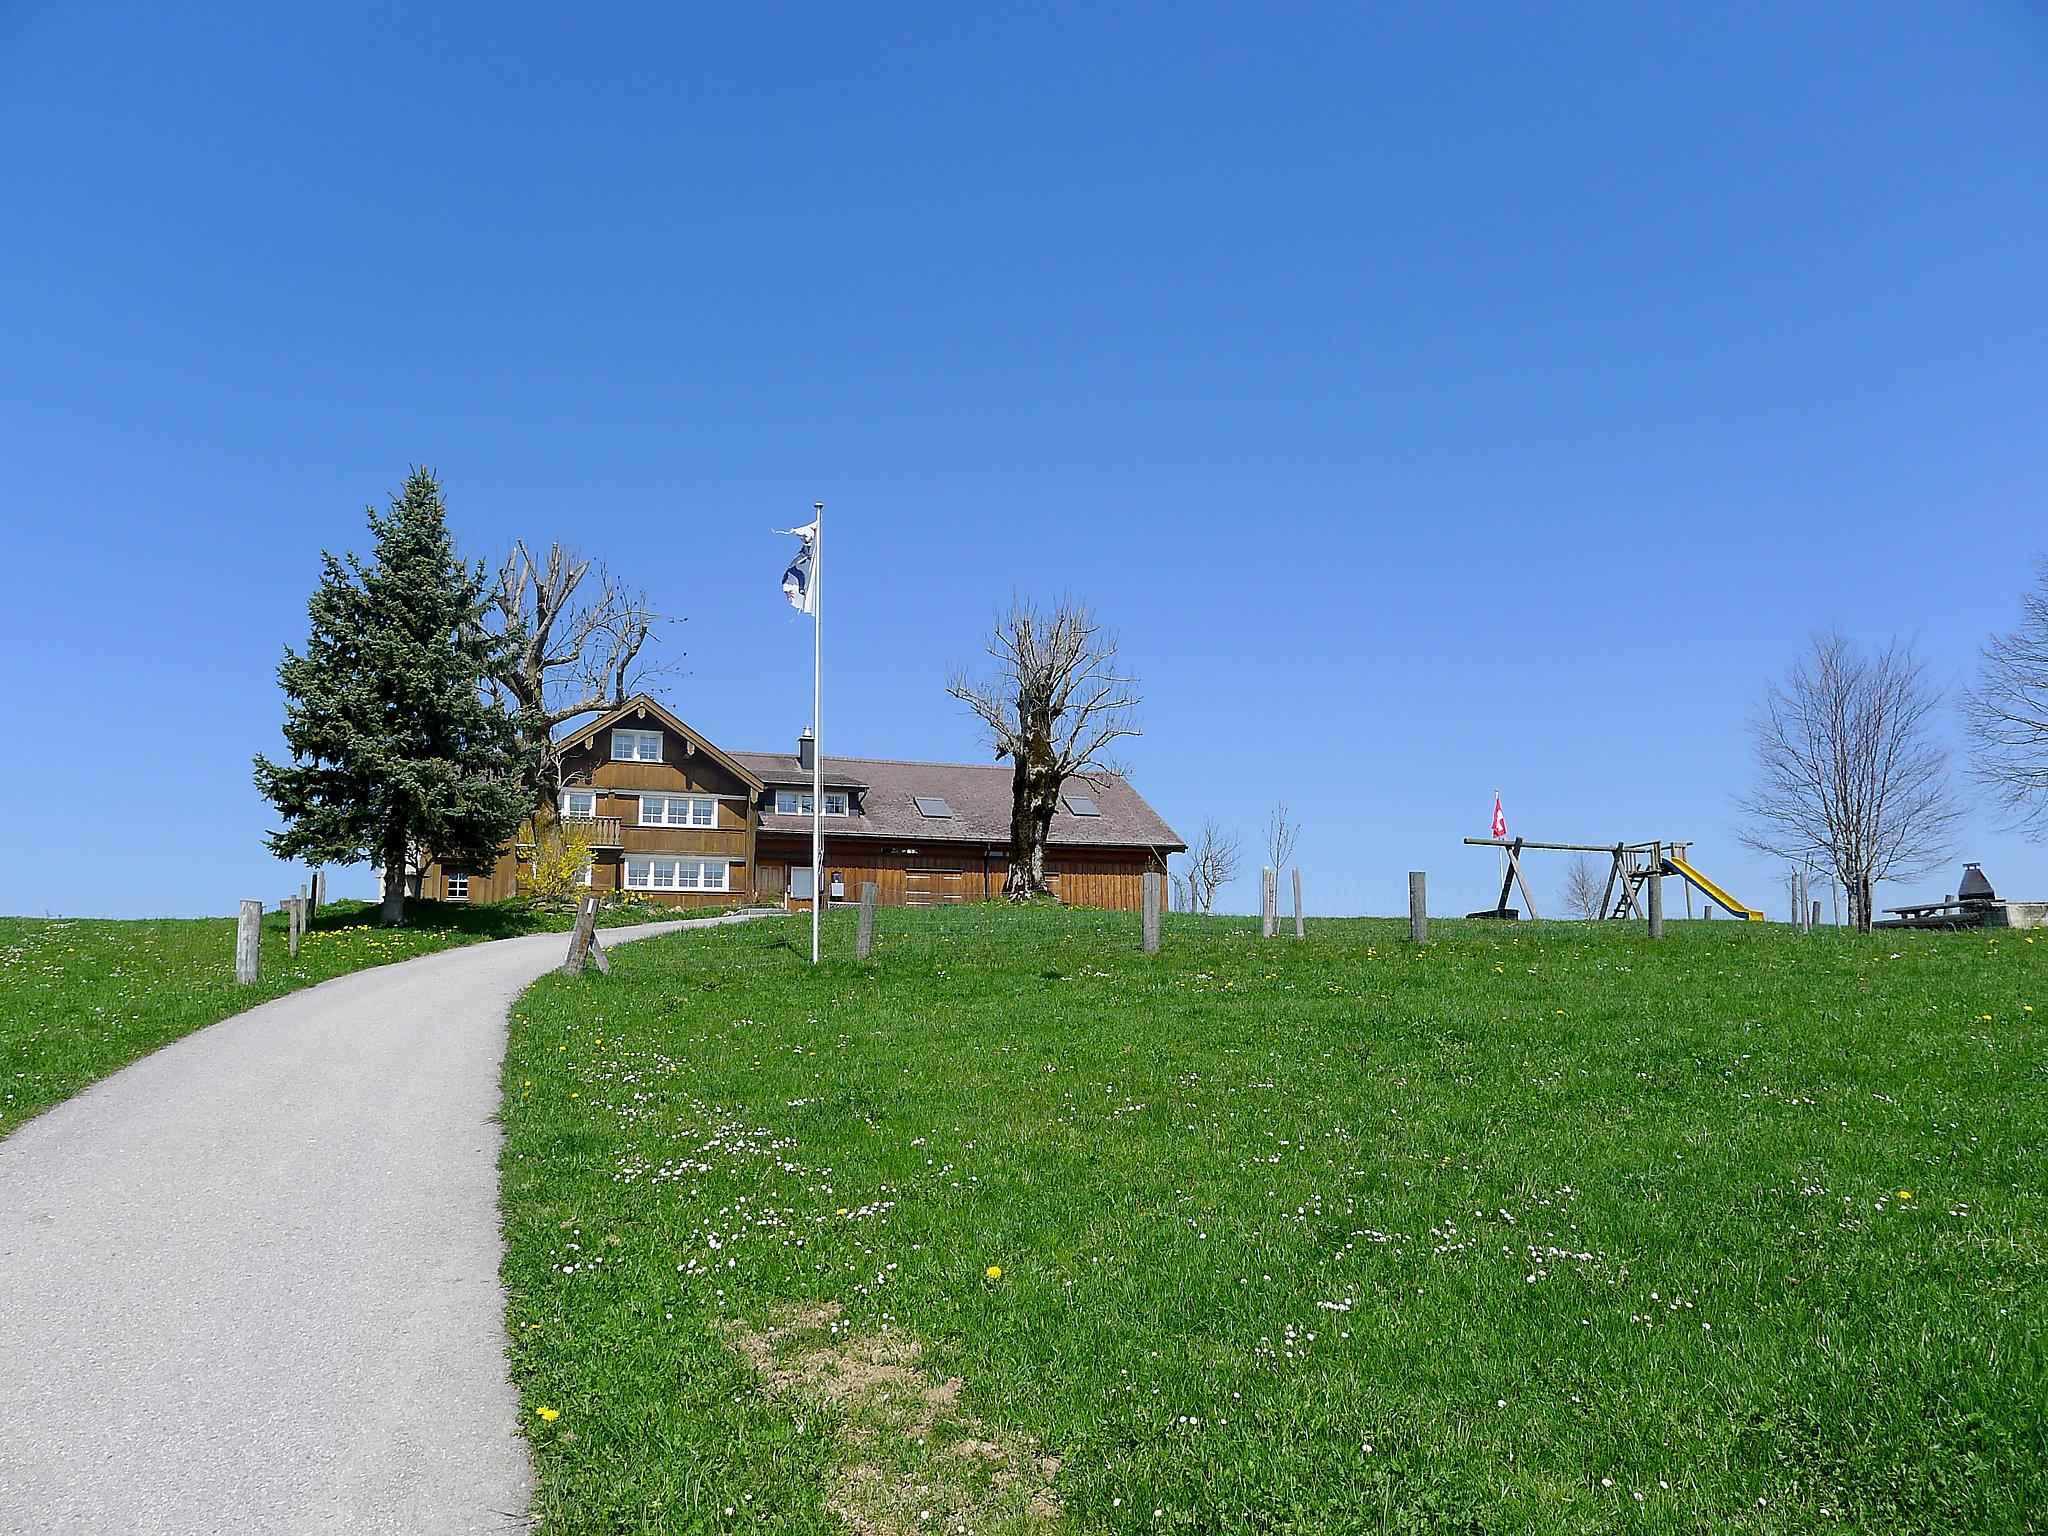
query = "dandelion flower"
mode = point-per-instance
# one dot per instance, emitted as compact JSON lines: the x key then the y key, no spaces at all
{"x":995,"y":1271}
{"x":549,"y":1414}
{"x":1905,"y":1194}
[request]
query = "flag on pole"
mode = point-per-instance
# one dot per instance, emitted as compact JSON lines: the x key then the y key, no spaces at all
{"x":798,"y":582}
{"x":1500,"y":820}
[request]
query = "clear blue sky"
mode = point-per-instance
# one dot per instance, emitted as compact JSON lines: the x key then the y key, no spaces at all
{"x":1436,"y":398}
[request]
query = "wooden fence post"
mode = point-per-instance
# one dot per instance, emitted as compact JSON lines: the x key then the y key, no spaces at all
{"x":1269,"y":900}
{"x":1152,"y":884}
{"x":583,"y":941}
{"x":248,"y":942}
{"x":1300,"y":928}
{"x":1656,"y":890}
{"x":298,"y":923}
{"x":1418,"y":905}
{"x":864,"y":935}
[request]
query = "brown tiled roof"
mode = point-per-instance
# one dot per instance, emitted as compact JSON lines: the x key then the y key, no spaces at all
{"x":978,"y":795}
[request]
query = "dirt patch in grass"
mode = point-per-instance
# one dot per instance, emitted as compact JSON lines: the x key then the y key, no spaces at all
{"x":911,"y":1460}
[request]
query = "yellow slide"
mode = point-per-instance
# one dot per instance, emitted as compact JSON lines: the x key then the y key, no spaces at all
{"x":1711,"y":891}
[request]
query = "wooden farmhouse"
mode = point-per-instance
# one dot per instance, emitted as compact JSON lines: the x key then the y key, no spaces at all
{"x":675,"y":819}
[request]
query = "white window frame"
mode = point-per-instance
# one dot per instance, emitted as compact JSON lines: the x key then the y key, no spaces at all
{"x":646,"y":872}
{"x":580,"y":794}
{"x":633,"y":740}
{"x":797,"y":802}
{"x":800,"y":873}
{"x":694,"y":807}
{"x":454,"y":875}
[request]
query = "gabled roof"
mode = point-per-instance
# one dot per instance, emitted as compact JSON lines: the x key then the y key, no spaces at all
{"x":638,"y":707}
{"x":977,"y":794}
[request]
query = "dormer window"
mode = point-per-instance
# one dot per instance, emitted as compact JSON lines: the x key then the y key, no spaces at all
{"x":636,"y":746}
{"x":795,"y":802}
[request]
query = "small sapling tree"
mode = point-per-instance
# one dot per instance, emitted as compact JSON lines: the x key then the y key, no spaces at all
{"x":394,"y":743}
{"x":1211,"y":862}
{"x":1281,"y":836}
{"x":1585,"y":891}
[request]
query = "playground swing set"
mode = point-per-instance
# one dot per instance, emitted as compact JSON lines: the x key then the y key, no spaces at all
{"x":1630,"y":870}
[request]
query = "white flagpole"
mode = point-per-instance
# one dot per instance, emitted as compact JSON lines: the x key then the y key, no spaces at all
{"x":817,"y":722}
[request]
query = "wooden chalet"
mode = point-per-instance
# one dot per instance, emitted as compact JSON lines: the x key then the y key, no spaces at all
{"x":674,"y":819}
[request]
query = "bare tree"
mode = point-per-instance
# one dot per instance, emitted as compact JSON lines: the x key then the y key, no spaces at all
{"x":576,"y":637}
{"x":1054,"y":704}
{"x":2006,"y":714}
{"x":1281,"y":836}
{"x":1213,"y":860}
{"x":1848,"y":774}
{"x":1585,"y":889}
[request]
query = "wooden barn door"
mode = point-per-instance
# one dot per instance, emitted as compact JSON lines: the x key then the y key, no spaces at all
{"x":932,"y":882}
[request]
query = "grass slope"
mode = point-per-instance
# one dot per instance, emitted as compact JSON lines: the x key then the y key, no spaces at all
{"x":1531,"y":1229}
{"x":82,"y":997}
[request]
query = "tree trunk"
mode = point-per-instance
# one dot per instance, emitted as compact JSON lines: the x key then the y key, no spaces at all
{"x":1032,"y":803}
{"x":393,"y":913}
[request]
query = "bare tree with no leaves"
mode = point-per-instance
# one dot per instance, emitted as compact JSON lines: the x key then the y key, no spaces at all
{"x":1848,"y":774}
{"x":1281,"y":837}
{"x":577,"y":635}
{"x":1213,"y":860}
{"x":2006,"y":714}
{"x":1585,"y":889}
{"x":1053,"y":706}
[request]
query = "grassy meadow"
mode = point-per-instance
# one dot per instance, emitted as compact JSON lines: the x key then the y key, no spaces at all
{"x":1538,"y":1228}
{"x":82,"y":997}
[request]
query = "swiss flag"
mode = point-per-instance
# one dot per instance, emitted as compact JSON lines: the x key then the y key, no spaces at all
{"x":1500,"y":820}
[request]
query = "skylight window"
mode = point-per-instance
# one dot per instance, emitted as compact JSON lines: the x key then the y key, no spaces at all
{"x":933,"y":806}
{"x":1081,"y":805}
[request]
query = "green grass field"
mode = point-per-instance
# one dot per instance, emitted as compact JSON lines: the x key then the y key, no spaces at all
{"x":82,"y":997}
{"x":1539,"y":1229}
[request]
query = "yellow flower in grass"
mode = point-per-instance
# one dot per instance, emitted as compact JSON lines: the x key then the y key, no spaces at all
{"x":549,"y":1414}
{"x":995,"y":1271}
{"x":1905,"y":1194}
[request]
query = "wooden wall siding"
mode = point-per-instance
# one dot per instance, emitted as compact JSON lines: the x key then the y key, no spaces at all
{"x":1112,"y":878}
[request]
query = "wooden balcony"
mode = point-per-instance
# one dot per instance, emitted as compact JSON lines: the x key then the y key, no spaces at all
{"x":604,"y":830}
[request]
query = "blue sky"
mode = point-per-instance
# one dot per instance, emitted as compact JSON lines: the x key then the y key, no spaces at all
{"x":1435,"y":398}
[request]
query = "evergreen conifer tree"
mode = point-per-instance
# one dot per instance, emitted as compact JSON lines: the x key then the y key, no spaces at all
{"x":394,"y":745}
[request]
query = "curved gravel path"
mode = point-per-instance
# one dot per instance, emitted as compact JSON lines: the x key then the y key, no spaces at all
{"x":251,"y":1281}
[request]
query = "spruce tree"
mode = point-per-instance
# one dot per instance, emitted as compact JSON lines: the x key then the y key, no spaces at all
{"x":394,"y":745}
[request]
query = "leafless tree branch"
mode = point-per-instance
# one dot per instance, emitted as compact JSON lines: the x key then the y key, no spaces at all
{"x":575,"y":637}
{"x":2006,"y":714}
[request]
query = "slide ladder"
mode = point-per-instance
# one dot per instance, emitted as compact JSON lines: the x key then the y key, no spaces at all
{"x":1713,"y":892}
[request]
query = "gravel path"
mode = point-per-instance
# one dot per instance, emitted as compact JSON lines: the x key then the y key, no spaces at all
{"x":252,"y":1280}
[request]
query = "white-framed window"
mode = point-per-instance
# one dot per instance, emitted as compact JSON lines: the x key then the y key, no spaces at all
{"x":655,"y":873}
{"x":579,"y":802}
{"x":458,"y":886}
{"x":636,"y":746}
{"x":583,"y":875}
{"x":795,"y":802}
{"x":678,"y":810}
{"x":800,"y":886}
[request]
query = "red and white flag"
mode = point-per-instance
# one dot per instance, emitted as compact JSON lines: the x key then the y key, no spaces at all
{"x":1500,"y":820}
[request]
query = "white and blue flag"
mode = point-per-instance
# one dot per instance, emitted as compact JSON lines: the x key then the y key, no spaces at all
{"x":799,"y":582}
